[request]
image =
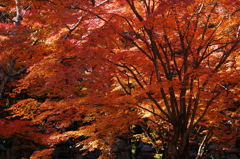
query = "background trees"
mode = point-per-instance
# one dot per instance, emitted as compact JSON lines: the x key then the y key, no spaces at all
{"x":171,"y":67}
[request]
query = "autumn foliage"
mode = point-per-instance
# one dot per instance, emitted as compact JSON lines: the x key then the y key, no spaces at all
{"x":169,"y":66}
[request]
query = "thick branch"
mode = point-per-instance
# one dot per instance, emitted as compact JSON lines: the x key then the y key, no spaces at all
{"x":19,"y":14}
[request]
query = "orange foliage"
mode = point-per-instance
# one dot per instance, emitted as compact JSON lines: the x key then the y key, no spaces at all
{"x":170,"y":66}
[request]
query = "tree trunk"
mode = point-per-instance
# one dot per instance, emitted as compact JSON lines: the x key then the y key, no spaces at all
{"x":180,"y":149}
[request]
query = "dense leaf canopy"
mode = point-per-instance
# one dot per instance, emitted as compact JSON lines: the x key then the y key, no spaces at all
{"x":169,"y":66}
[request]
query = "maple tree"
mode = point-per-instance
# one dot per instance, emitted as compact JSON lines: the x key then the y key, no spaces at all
{"x":171,"y":67}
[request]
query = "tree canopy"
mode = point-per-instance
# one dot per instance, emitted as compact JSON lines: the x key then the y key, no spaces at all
{"x":171,"y":67}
